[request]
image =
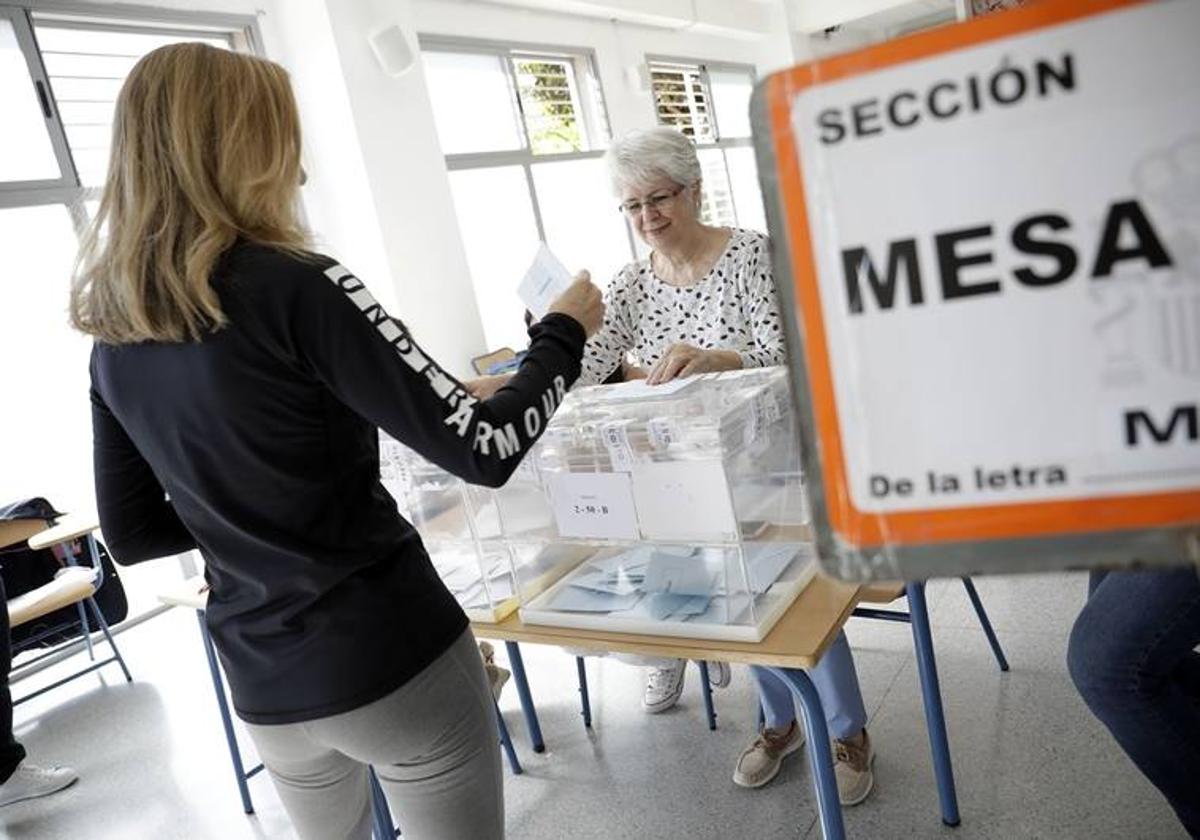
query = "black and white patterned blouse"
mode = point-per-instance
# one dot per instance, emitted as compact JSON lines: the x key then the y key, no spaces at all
{"x":733,"y":307}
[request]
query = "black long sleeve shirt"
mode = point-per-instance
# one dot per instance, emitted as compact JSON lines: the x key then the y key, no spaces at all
{"x":263,"y":436}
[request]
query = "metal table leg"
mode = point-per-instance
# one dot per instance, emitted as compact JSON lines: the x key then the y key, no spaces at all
{"x":997,"y":651}
{"x":820,"y":755}
{"x":381,"y":816}
{"x":531,"y":719}
{"x":931,"y":693}
{"x":506,"y":742}
{"x":584,"y":701}
{"x":235,"y":754}
{"x":706,"y":687}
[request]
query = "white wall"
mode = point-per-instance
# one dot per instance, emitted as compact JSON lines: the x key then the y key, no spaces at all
{"x":378,"y":173}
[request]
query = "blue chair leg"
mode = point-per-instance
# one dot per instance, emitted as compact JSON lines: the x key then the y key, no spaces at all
{"x":585,"y":702}
{"x":931,"y":693}
{"x":820,"y":755}
{"x":86,"y":629}
{"x":706,"y":688}
{"x":91,"y":602}
{"x":235,"y":754}
{"x":383,"y":828}
{"x":997,"y":651}
{"x":506,"y":742}
{"x":531,"y":718}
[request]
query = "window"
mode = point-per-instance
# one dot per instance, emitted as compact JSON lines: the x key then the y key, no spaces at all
{"x":86,"y":67}
{"x":711,"y":104}
{"x":59,"y":77}
{"x":681,"y":99}
{"x":550,"y":101}
{"x":523,"y":130}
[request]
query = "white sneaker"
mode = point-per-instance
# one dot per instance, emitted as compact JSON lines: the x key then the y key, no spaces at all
{"x":664,"y":686}
{"x":719,"y":675}
{"x":30,"y":781}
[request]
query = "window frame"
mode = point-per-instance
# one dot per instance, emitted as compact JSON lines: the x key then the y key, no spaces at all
{"x":22,"y":193}
{"x":703,"y":66}
{"x":594,"y":114}
{"x":242,"y":30}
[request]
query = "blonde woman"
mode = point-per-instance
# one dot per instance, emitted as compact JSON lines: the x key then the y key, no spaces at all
{"x":237,"y":383}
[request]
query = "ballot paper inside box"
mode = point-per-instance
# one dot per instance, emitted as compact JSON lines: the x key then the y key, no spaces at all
{"x":735,"y":592}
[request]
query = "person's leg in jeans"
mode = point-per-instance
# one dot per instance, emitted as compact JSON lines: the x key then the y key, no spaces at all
{"x":1132,"y":657}
{"x":836,"y":681}
{"x":433,"y":744}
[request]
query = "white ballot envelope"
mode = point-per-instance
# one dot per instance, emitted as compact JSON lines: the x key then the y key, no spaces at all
{"x":546,"y":279}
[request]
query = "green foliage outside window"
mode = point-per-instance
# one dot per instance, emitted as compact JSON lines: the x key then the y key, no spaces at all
{"x":550,"y":102}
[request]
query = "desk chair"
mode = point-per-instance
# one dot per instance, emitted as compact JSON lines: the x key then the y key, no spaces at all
{"x":193,"y":594}
{"x":74,"y":584}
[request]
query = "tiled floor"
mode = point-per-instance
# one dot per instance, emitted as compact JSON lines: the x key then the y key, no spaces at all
{"x":1030,"y":761}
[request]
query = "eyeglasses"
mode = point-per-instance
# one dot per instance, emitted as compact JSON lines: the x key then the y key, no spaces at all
{"x":634,"y":207}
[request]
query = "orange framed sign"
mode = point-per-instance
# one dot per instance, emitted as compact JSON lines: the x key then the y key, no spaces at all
{"x":987,"y":238}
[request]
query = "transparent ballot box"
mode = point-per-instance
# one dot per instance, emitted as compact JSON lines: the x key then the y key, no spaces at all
{"x":676,"y":509}
{"x":472,"y":532}
{"x":460,"y":527}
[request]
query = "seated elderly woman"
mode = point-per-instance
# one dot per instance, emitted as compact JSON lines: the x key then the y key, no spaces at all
{"x":703,"y":301}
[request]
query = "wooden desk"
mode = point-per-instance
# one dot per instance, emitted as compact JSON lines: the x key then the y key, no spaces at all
{"x":797,"y":641}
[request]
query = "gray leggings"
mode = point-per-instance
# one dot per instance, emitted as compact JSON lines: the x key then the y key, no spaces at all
{"x":432,"y":742}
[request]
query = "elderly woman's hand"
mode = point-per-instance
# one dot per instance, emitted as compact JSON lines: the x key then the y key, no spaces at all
{"x":685,"y":360}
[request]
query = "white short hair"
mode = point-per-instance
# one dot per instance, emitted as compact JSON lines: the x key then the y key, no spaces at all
{"x":645,"y":155}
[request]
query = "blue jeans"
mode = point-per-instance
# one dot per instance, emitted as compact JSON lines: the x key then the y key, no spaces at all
{"x":836,"y":682}
{"x":1132,"y":657}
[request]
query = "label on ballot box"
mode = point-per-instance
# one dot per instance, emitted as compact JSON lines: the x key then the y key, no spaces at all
{"x":684,"y":500}
{"x":594,"y":505}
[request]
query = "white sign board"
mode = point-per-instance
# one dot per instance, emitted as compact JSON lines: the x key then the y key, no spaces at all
{"x":994,"y":240}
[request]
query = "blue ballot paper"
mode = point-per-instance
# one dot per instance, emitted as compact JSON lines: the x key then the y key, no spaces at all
{"x":680,"y":575}
{"x":575,"y":599}
{"x":664,"y":605}
{"x":765,"y":562}
{"x":612,"y":583}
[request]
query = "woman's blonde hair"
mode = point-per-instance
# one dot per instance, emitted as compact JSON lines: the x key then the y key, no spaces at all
{"x":206,"y":149}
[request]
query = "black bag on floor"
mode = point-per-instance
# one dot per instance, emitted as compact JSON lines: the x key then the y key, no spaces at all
{"x":24,"y":569}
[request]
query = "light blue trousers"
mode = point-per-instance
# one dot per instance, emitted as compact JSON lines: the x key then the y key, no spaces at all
{"x":837,"y":684}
